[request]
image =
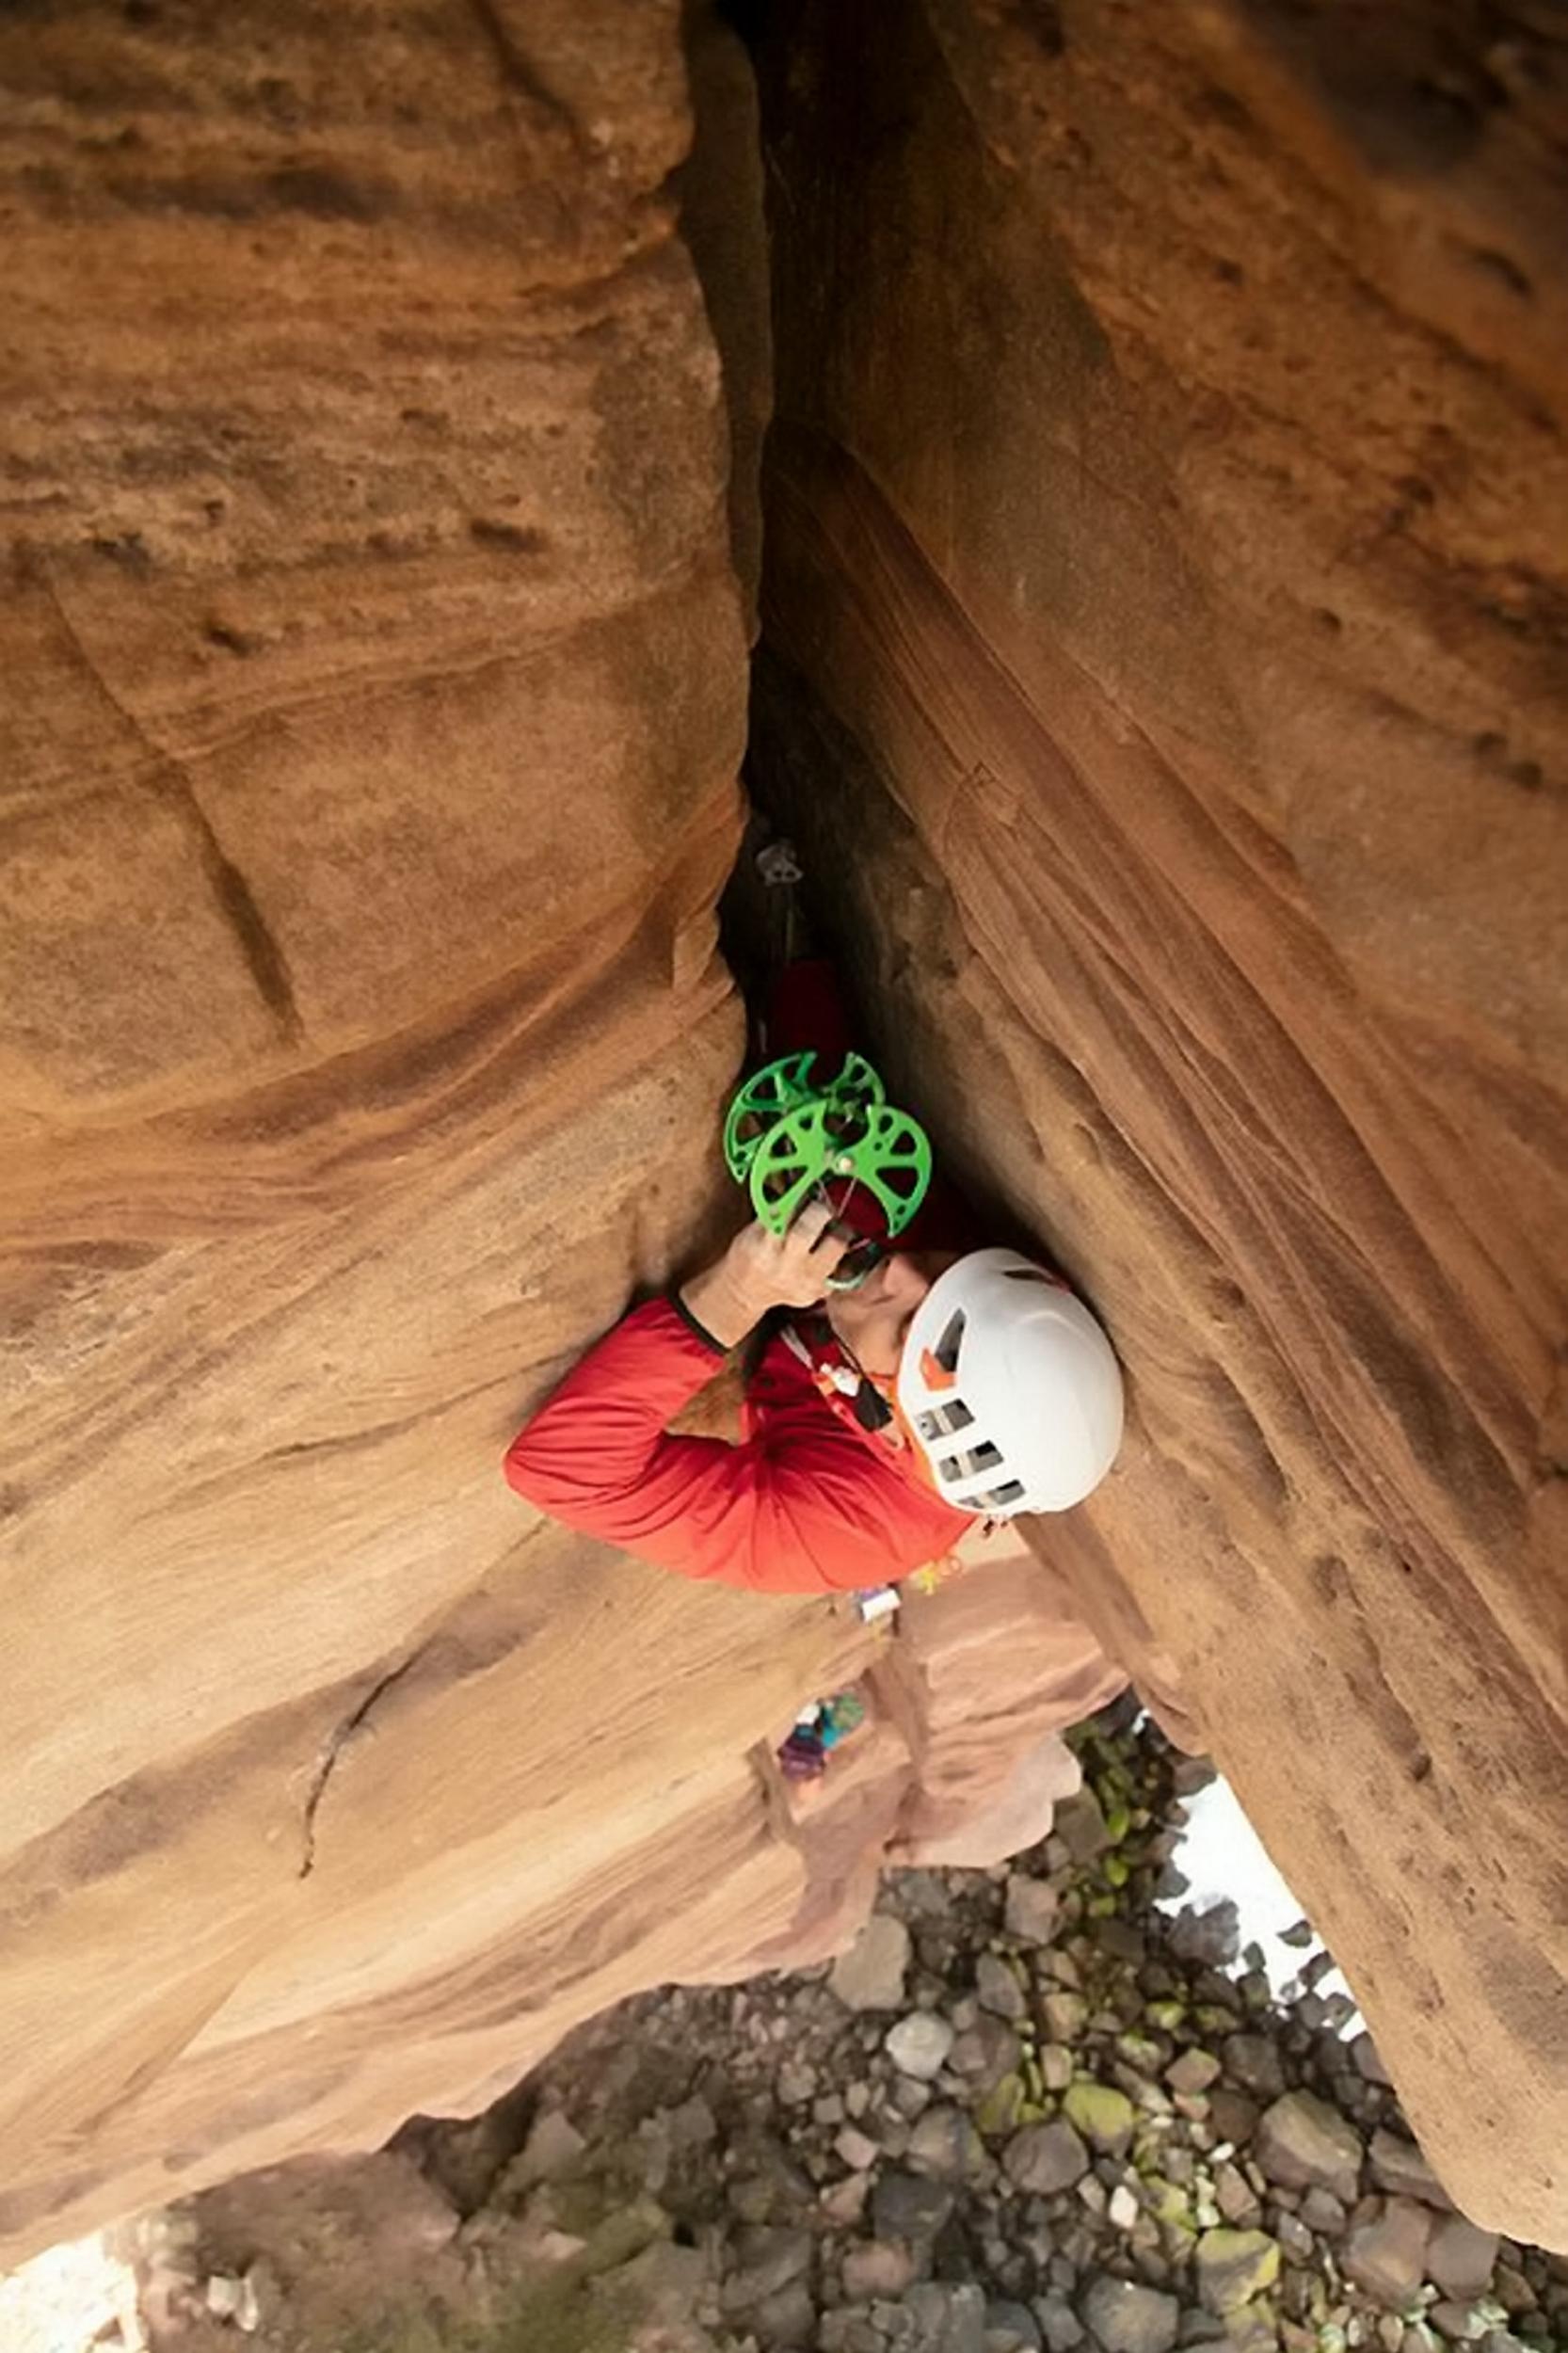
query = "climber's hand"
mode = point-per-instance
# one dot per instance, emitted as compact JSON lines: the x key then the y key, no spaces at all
{"x":788,"y":1270}
{"x":759,"y":1270}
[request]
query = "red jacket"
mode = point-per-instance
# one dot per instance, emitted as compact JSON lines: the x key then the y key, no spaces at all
{"x":807,"y":1503}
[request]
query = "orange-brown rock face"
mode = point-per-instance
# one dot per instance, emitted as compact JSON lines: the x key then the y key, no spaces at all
{"x":1165,"y":526}
{"x":376,"y":659}
{"x":375,"y":676}
{"x":1167,"y":616}
{"x":376,"y":684}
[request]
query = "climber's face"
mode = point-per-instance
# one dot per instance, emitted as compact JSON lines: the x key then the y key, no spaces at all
{"x":873,"y":1321}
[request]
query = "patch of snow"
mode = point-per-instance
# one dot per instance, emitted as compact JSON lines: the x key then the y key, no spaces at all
{"x":1220,"y":1855}
{"x":69,"y":2298}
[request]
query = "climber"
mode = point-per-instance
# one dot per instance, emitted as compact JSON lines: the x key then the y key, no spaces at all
{"x":907,"y":1395}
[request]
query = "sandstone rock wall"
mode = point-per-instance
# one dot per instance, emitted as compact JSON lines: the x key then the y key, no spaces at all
{"x":1165,"y":616}
{"x":376,"y":686}
{"x":1166,"y":664}
{"x":375,"y":635}
{"x":375,"y":679}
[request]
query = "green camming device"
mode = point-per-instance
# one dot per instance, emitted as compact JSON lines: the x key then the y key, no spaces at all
{"x":786,"y":1138}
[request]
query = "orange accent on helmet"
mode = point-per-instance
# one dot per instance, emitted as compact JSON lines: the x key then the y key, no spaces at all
{"x":935,"y":1375}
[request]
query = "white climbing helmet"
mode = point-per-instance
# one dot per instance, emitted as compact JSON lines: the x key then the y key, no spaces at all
{"x":1010,"y":1387}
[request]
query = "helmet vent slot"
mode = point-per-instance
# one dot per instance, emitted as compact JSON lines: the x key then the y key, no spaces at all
{"x":946,"y":1350}
{"x":1012,"y":1493}
{"x":945,"y":1421}
{"x":969,"y":1463}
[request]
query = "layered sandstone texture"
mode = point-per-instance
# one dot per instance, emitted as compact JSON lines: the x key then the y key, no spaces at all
{"x":376,"y":684}
{"x":1165,"y":631}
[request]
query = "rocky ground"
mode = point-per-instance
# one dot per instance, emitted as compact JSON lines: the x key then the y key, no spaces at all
{"x":1027,"y":2113}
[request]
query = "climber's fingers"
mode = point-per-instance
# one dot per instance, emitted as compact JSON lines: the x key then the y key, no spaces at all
{"x":800,"y":1260}
{"x":812,"y":1231}
{"x":791,"y":1268}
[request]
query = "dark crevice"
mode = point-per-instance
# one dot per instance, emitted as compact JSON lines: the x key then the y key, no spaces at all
{"x":337,"y":1741}
{"x":258,"y":944}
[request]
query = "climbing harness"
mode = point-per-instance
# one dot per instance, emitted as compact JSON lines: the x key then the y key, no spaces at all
{"x":787,"y":1138}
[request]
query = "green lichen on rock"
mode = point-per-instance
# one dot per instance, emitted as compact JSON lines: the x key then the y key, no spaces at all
{"x":1169,"y":2203}
{"x":1001,"y":2112}
{"x":625,"y":2232}
{"x":550,"y":2315}
{"x":1234,"y":2266}
{"x":1167,"y":2015}
{"x":1104,"y":2116}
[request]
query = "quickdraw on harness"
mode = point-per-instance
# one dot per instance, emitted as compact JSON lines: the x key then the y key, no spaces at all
{"x":788,"y":1140}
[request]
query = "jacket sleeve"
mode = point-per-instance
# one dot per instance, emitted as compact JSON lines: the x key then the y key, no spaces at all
{"x":798,"y":1508}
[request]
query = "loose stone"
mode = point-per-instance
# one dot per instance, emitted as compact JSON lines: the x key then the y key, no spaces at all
{"x":1056,"y":2067}
{"x":1033,"y":1910}
{"x":989,"y":2051}
{"x":857,"y":2149}
{"x":1364,"y":2053}
{"x":1322,"y":2211}
{"x":943,"y":2145}
{"x":1194,"y":2071}
{"x":1233,"y":2116}
{"x":1045,"y":2158}
{"x":1065,"y":2015}
{"x":1123,"y":2210}
{"x":909,"y":2206}
{"x":1252,"y":2060}
{"x":1124,"y":2317}
{"x":768,"y":2260}
{"x":997,"y":1989}
{"x":1059,"y":2325}
{"x":1011,"y":2329}
{"x":1233,"y":2267}
{"x":947,"y":2319}
{"x":1387,"y":2255}
{"x":877,"y":2268}
{"x":918,"y":2044}
{"x":1080,"y":1826}
{"x":870,"y":1975}
{"x":1302,"y":2141}
{"x":1234,"y":2194}
{"x":1399,"y":2166}
{"x":1104,"y":2117}
{"x":1460,"y":2257}
{"x":1209,"y":1938}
